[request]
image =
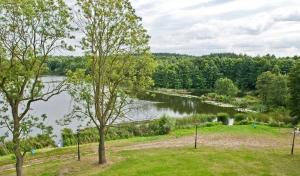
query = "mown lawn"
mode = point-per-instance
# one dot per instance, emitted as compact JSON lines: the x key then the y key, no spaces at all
{"x":205,"y":161}
{"x":176,"y":160}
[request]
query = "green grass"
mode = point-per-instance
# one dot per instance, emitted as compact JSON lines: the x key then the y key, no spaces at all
{"x":182,"y":162}
{"x":232,"y":130}
{"x":204,"y":161}
{"x":174,"y":161}
{"x":260,"y":130}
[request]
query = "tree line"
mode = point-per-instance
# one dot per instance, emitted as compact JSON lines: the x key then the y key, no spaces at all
{"x":191,"y":72}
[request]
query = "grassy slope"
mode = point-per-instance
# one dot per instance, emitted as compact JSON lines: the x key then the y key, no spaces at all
{"x":177,"y":161}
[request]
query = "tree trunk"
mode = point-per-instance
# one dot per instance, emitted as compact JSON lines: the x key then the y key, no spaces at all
{"x":17,"y":151}
{"x":16,"y":142}
{"x":101,"y":148}
{"x":19,"y":165}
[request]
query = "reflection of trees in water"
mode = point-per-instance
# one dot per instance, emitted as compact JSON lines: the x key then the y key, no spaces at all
{"x":183,"y":105}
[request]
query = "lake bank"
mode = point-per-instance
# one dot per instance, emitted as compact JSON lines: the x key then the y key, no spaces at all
{"x":187,"y":94}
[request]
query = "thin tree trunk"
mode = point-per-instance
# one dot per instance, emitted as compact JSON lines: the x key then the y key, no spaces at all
{"x":17,"y":149}
{"x":16,"y":141}
{"x":101,"y":149}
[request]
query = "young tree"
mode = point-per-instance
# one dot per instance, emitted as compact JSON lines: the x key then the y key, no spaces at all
{"x":30,"y":31}
{"x":294,"y":85}
{"x":118,"y":53}
{"x":225,"y":86}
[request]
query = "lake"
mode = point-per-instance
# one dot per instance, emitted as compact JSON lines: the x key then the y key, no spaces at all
{"x":146,"y":106}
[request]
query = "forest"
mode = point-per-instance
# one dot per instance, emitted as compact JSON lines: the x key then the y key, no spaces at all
{"x":196,"y":72}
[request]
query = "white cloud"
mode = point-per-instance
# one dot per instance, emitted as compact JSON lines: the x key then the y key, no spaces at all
{"x":200,"y":27}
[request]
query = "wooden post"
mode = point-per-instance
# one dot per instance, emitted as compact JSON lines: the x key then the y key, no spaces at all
{"x":196,"y":136}
{"x":293,"y":145}
{"x":78,"y":143}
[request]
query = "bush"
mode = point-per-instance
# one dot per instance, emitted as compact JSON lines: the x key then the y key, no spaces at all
{"x":278,"y":116}
{"x":225,"y":86}
{"x":37,"y":142}
{"x":188,"y":122}
{"x":165,"y":125}
{"x":244,"y":122}
{"x":210,"y":124}
{"x":259,"y":117}
{"x":223,"y":117}
{"x":216,"y":97}
{"x":240,"y":117}
{"x":121,"y":131}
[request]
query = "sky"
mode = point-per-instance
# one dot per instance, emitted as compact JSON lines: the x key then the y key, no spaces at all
{"x":199,"y":27}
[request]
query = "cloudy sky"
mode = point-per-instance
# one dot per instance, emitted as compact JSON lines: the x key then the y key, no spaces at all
{"x":198,"y":27}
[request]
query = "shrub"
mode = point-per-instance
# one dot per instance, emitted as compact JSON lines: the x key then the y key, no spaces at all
{"x":165,"y":125}
{"x":225,"y":86}
{"x":210,"y":124}
{"x":223,"y":117}
{"x":244,"y":122}
{"x":240,"y":117}
{"x":37,"y":142}
{"x":120,"y":131}
{"x":191,"y":121}
{"x":259,"y":117}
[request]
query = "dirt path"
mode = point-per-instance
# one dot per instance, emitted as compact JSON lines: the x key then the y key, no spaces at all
{"x":215,"y":140}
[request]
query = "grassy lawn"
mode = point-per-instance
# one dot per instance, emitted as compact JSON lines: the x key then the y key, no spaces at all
{"x":206,"y":160}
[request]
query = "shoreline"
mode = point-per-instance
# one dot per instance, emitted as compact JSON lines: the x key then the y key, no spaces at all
{"x":185,"y":94}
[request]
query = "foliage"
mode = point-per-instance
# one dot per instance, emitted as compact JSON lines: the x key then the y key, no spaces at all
{"x":202,"y":72}
{"x":223,"y":117}
{"x":272,"y":89}
{"x":119,"y":64}
{"x":160,"y":126}
{"x":240,"y":117}
{"x":30,"y":31}
{"x":216,"y":97}
{"x":60,"y":65}
{"x":279,"y":116}
{"x":190,"y":72}
{"x":225,"y":86}
{"x":294,"y":85}
{"x":196,"y":119}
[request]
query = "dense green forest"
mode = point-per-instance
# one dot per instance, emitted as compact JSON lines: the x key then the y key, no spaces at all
{"x":197,"y":72}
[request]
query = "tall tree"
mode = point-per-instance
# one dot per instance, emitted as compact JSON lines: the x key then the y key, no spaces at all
{"x":118,"y":52}
{"x":263,"y":85}
{"x":30,"y":31}
{"x":273,"y":89}
{"x":294,"y":85}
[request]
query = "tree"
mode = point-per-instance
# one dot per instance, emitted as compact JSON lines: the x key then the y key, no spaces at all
{"x":279,"y":90}
{"x":272,"y":89}
{"x":210,"y":72}
{"x":225,"y":86}
{"x":263,"y":85}
{"x":119,"y":63}
{"x":294,"y":85}
{"x":30,"y":31}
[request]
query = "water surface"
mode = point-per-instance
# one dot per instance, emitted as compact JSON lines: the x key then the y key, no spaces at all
{"x":146,"y":106}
